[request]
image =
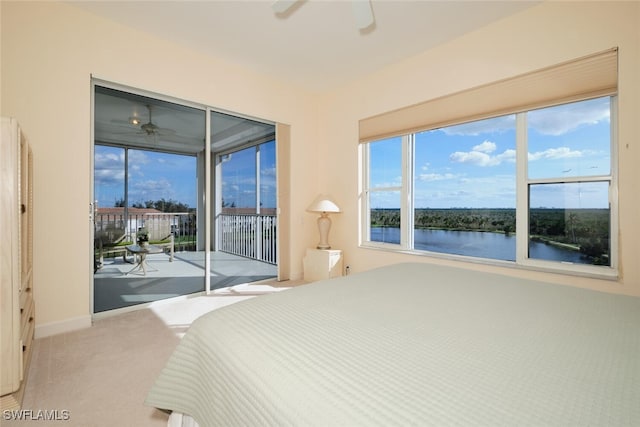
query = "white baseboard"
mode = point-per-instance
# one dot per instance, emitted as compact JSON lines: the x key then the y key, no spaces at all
{"x":62,"y":326}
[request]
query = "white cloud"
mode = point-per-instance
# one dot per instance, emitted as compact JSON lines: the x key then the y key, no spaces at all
{"x":102,"y":159}
{"x":397,"y":182}
{"x":473,"y":157}
{"x":485,"y":147}
{"x":152,"y":185}
{"x":138,"y":157}
{"x":271,"y":171}
{"x":479,"y":155}
{"x":492,"y":181}
{"x":109,"y":176}
{"x":495,"y":191}
{"x":108,"y":169}
{"x":565,"y":118}
{"x":554,"y":153}
{"x":151,"y":189}
{"x":436,"y":176}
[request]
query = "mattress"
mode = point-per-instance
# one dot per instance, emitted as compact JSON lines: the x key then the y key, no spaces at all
{"x":411,"y":344}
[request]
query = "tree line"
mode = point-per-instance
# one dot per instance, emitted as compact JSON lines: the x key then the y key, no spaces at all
{"x":586,"y":230}
{"x":163,"y":205}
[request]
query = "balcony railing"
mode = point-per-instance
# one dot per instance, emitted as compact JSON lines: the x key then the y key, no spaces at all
{"x":114,"y":228}
{"x":249,"y":235}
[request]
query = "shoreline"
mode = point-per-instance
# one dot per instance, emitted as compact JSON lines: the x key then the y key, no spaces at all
{"x":536,"y":238}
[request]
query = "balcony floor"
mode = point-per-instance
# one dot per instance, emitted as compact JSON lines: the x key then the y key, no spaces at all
{"x":116,"y":286}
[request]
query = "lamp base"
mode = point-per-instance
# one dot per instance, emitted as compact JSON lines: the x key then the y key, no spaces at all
{"x":324,"y":225}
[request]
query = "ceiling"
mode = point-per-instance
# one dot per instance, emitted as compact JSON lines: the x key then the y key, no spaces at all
{"x":315,"y":44}
{"x":136,"y":121}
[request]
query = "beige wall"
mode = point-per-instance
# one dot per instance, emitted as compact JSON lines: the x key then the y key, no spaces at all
{"x":50,"y":50}
{"x":547,"y":34}
{"x":49,"y":53}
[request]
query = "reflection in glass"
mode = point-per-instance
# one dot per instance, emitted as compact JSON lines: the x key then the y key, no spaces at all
{"x":268,"y":175}
{"x":573,"y":217}
{"x":108,"y":175}
{"x":239,"y":179}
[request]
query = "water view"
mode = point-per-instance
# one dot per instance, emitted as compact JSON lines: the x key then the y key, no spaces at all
{"x":477,"y":244}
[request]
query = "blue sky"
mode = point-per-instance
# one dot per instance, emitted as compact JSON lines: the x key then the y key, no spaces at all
{"x":239,"y":177}
{"x":154,"y":176}
{"x":473,"y":165}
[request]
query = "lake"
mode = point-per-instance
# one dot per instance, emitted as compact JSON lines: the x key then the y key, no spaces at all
{"x":476,"y":244}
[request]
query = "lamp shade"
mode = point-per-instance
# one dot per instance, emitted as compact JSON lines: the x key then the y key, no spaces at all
{"x":323,"y":203}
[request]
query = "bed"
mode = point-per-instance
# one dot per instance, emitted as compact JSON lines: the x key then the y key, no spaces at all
{"x":411,"y":344}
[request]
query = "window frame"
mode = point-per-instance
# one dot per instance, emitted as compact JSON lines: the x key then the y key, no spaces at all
{"x":523,"y":183}
{"x":405,"y":189}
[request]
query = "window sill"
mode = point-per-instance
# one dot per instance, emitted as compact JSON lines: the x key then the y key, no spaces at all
{"x":569,"y":269}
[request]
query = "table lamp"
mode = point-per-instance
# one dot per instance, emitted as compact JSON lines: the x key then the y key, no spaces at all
{"x":323,"y":205}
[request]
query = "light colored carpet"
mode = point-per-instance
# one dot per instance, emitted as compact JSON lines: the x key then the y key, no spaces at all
{"x":101,"y":375}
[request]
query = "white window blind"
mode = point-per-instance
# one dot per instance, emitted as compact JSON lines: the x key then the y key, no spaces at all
{"x":582,"y":78}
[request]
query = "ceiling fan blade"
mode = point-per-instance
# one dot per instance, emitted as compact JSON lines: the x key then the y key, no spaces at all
{"x":362,"y":13}
{"x":281,"y":6}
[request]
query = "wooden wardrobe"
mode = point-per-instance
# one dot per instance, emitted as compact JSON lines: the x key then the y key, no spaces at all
{"x":17,"y":305}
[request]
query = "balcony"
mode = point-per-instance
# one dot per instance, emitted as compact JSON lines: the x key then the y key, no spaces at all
{"x":246,"y":252}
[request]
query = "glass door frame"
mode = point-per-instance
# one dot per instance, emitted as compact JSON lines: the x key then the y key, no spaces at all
{"x":208,"y":199}
{"x":204,"y":199}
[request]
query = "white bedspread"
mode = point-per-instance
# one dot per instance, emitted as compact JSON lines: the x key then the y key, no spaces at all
{"x":411,"y":344}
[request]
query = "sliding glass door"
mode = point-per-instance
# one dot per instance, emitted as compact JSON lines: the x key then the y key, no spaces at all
{"x":246,"y":221}
{"x":244,"y":227}
{"x":147,"y":156}
{"x":173,"y":214}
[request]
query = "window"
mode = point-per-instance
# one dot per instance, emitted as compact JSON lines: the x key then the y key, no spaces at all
{"x":569,"y":180}
{"x":386,"y":183}
{"x":465,"y":189}
{"x":249,"y":179}
{"x":247,"y":222}
{"x":532,"y":188}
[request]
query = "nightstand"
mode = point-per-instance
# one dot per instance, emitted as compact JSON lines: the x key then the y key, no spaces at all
{"x":322,"y":264}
